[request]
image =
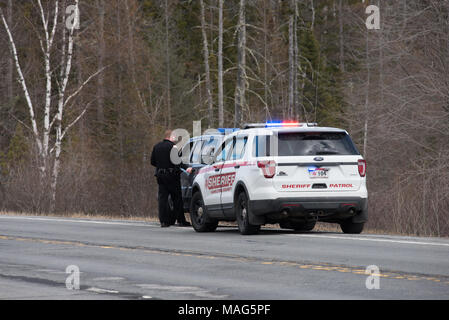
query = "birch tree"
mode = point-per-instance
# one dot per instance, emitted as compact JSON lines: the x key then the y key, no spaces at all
{"x":49,"y":146}
{"x":10,"y":68}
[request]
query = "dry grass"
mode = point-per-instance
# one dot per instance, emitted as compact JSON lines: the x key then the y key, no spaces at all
{"x":81,"y":216}
{"x":320,"y":227}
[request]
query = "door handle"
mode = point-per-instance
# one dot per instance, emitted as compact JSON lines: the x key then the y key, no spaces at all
{"x":237,"y":167}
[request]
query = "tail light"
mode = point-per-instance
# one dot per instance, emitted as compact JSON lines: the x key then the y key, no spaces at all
{"x":362,"y":168}
{"x":268,"y":168}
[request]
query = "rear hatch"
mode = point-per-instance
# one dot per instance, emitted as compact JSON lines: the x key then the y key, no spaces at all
{"x":316,"y":161}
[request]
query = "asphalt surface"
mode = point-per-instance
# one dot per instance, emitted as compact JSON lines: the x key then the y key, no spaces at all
{"x":139,"y":260}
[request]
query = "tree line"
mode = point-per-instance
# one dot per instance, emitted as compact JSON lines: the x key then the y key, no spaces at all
{"x":81,"y":105}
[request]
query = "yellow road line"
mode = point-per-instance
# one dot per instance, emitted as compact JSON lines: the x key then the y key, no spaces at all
{"x":318,"y":267}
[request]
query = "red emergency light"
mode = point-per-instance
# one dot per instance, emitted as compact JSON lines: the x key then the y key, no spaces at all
{"x":283,"y":124}
{"x":279,"y":124}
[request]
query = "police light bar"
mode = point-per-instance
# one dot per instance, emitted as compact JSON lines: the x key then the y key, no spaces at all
{"x":283,"y":124}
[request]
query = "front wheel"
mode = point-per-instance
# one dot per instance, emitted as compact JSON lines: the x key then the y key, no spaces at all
{"x":242,"y":213}
{"x":350,"y":227}
{"x":198,"y":215}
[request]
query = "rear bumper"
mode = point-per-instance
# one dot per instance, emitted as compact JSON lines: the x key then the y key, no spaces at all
{"x":324,"y":208}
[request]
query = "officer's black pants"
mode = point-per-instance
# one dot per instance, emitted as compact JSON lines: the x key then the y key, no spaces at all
{"x":169,"y":184}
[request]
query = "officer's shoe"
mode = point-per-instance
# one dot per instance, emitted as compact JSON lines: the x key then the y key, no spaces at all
{"x":184,"y":224}
{"x":165,"y":225}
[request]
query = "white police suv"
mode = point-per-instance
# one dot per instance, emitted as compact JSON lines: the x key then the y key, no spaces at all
{"x":288,"y":173}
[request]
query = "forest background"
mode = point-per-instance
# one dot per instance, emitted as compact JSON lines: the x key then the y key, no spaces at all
{"x":82,"y":104}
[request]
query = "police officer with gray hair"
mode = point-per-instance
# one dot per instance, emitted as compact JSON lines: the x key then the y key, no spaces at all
{"x":168,"y":178}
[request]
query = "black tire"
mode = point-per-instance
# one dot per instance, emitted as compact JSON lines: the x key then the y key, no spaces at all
{"x":298,"y":226}
{"x":350,"y":227}
{"x":198,"y":215}
{"x":242,"y":215}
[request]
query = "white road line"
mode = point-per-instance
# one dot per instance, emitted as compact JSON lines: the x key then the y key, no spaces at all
{"x":109,"y":279}
{"x":197,"y":291}
{"x":154,"y":225}
{"x":371,"y":239}
{"x":101,"y":291}
{"x":143,"y":224}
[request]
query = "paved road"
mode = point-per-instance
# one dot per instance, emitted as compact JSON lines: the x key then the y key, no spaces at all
{"x":139,"y":260}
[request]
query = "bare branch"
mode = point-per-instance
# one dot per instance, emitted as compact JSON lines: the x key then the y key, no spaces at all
{"x":76,"y":120}
{"x":74,"y":94}
{"x":23,"y":83}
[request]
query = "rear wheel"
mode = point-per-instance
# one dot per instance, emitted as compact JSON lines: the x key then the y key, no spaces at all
{"x":242,"y":213}
{"x":198,"y":215}
{"x":298,"y":226}
{"x":350,"y":227}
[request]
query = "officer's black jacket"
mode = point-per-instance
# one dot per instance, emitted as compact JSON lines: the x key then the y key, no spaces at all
{"x":160,"y":157}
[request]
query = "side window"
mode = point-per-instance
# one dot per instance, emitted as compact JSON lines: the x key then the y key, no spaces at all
{"x":217,"y":143}
{"x":196,"y":153}
{"x":261,"y":146}
{"x":239,"y":148}
{"x":210,"y":149}
{"x":224,"y":151}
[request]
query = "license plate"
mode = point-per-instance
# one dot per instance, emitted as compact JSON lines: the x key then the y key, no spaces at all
{"x":319,"y":173}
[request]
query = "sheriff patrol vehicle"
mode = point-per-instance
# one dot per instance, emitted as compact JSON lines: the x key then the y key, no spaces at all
{"x":293,"y":174}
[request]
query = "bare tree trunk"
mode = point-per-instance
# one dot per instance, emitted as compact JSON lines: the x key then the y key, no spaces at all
{"x":120,"y":88}
{"x":241,"y":73}
{"x":220,"y":65}
{"x":46,"y":50}
{"x":265,"y":64}
{"x":101,"y":57}
{"x":206,"y":64}
{"x":10,"y":68}
{"x":79,"y":80}
{"x":367,"y":86}
{"x":291,"y":61}
{"x":312,"y":25}
{"x":381,"y":63}
{"x":297,"y":64}
{"x":341,"y":38}
{"x":132,"y":61}
{"x":60,"y":133}
{"x":167,"y":57}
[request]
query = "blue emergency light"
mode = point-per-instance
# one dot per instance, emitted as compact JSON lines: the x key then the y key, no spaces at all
{"x":276,"y":124}
{"x":279,"y":124}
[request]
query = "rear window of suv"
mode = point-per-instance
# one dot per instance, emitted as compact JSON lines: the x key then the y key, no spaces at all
{"x":307,"y":144}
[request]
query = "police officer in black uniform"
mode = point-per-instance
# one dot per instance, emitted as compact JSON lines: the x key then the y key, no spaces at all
{"x":168,"y":178}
